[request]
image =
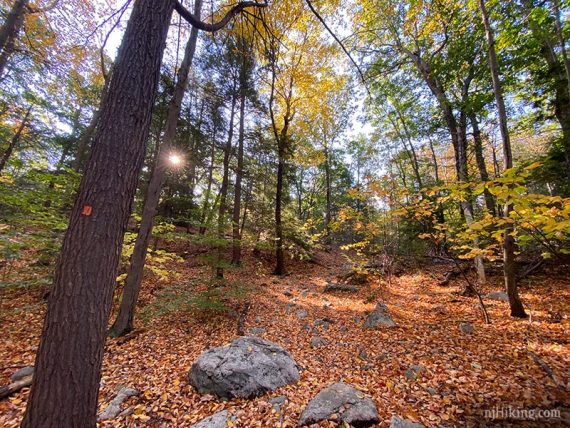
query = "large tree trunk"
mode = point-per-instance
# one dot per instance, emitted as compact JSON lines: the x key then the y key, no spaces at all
{"x":517,"y":309}
{"x":124,"y":322}
{"x":222,"y":208}
{"x":68,"y":362}
{"x":236,"y":235}
{"x":481,"y":165}
{"x":9,"y":32}
{"x":15,"y":140}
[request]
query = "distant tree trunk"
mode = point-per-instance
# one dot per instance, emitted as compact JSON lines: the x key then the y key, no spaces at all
{"x":517,"y":309}
{"x":15,"y":140}
{"x":236,"y":235}
{"x":206,"y":204}
{"x":246,"y":207}
{"x":280,"y":260}
{"x":328,"y":193}
{"x":9,"y":32}
{"x":68,"y":362}
{"x":434,"y":160}
{"x":481,"y":165}
{"x":124,"y":322}
{"x":222,"y":208}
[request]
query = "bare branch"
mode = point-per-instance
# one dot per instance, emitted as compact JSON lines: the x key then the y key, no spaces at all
{"x":201,"y":25}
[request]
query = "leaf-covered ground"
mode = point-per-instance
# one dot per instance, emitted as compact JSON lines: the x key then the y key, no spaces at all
{"x":463,"y":375}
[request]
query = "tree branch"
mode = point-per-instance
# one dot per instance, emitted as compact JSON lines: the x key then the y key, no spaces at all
{"x":320,"y":18}
{"x":201,"y":25}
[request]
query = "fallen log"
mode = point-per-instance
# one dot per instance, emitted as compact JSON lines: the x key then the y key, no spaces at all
{"x":7,"y":390}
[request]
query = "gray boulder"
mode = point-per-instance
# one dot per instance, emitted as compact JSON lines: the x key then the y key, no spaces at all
{"x":498,"y":295}
{"x":22,"y":373}
{"x":217,"y":420}
{"x":247,"y":367}
{"x":350,"y":405}
{"x":380,"y":316}
{"x":403,"y":423}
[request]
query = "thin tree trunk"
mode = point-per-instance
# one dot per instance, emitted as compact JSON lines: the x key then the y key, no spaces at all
{"x":517,"y":309}
{"x":68,"y":362}
{"x":15,"y":140}
{"x":236,"y":235}
{"x":10,"y":31}
{"x":561,"y":41}
{"x":124,"y":322}
{"x":224,"y":188}
{"x":481,"y":165}
{"x":280,"y":260}
{"x":328,"y":193}
{"x":206,"y":203}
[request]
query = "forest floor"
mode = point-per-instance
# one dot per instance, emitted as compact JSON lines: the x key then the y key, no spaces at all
{"x":463,"y":375}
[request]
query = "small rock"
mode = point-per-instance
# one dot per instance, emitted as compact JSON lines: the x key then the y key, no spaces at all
{"x":340,"y":401}
{"x":466,"y":328}
{"x":413,"y":371}
{"x":498,"y":295}
{"x":256,"y":331}
{"x":380,"y":316}
{"x":324,"y":323}
{"x":317,"y":342}
{"x":440,"y":309}
{"x":288,"y":293}
{"x":382,"y":357}
{"x":258,"y":320}
{"x":217,"y":420}
{"x":431,"y":391}
{"x":343,"y":329}
{"x":22,"y":373}
{"x":403,"y":423}
{"x":327,"y":304}
{"x":302,"y":314}
{"x":114,"y":407}
{"x":278,"y":402}
{"x":363,"y":355}
{"x":332,"y":287}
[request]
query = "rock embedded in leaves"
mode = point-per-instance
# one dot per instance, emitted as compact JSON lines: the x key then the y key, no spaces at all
{"x":343,"y":402}
{"x":317,"y":342}
{"x":302,"y":314}
{"x":217,"y":420}
{"x":114,"y":407}
{"x":498,"y":295}
{"x":247,"y":367}
{"x":22,"y":373}
{"x":398,"y":422}
{"x":379,"y":317}
{"x":466,"y":328}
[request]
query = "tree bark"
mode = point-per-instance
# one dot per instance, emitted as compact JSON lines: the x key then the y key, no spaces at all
{"x":206,"y":204}
{"x":328,"y":193}
{"x":15,"y":140}
{"x":236,"y":235}
{"x":68,"y":362}
{"x":517,"y":309}
{"x":124,"y":322}
{"x":222,"y":208}
{"x":481,"y":165}
{"x":10,"y":31}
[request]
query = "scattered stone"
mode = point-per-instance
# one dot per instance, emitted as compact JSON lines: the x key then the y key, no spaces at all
{"x":258,"y":319}
{"x":317,"y":342}
{"x":476,"y":366}
{"x":363,"y":355}
{"x":466,"y":328}
{"x":382,"y":357}
{"x":498,"y":295}
{"x":380,"y":316}
{"x":278,"y":402}
{"x":413,"y":371}
{"x":327,"y":304}
{"x":403,"y":423}
{"x":324,"y":323}
{"x":340,"y":402}
{"x":217,"y":420}
{"x":332,"y":287}
{"x":114,"y":407}
{"x":256,"y":331}
{"x":288,"y":293}
{"x":302,"y":314}
{"x":22,"y":373}
{"x":305,"y":293}
{"x":343,"y":329}
{"x":291,"y":306}
{"x":439,"y":309}
{"x":247,"y":367}
{"x":432,"y":391}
